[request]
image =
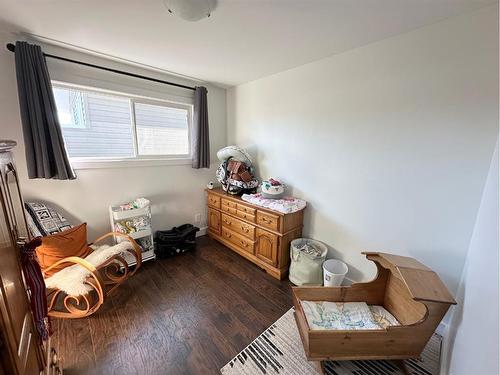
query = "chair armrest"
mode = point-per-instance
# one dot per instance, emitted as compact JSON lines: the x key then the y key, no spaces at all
{"x":135,"y":246}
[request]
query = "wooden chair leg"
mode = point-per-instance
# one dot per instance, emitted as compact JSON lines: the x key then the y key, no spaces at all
{"x":81,"y":308}
{"x":61,"y":305}
{"x":115,"y":271}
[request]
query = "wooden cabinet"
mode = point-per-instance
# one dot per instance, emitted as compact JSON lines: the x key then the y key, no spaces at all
{"x":266,"y":248}
{"x":258,"y":234}
{"x":214,"y":222}
{"x":21,"y":350}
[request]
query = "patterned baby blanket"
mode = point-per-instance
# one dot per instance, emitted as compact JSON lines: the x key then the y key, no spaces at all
{"x":324,"y":315}
{"x":286,"y":205}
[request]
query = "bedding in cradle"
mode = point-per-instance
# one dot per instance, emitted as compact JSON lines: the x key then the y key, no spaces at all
{"x":325,"y":315}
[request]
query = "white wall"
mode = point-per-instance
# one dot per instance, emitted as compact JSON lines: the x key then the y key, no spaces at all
{"x":176,"y":191}
{"x":474,"y":325}
{"x":389,"y":143}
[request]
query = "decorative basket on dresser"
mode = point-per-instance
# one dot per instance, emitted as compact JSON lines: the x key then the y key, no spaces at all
{"x":262,"y":236}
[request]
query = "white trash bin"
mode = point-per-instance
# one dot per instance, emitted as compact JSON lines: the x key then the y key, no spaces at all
{"x":334,"y":272}
{"x":306,"y":269}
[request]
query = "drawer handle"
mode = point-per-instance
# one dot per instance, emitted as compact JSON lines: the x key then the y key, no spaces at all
{"x":243,"y":243}
{"x":244,"y":229}
{"x":267,"y":220}
{"x":228,"y":235}
{"x":227,"y":222}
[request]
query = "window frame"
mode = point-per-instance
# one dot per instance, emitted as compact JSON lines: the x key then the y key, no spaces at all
{"x":137,"y":159}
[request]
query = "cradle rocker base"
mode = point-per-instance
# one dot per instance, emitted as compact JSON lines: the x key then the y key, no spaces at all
{"x":320,"y":366}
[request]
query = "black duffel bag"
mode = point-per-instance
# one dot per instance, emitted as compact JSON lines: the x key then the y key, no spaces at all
{"x":175,"y":241}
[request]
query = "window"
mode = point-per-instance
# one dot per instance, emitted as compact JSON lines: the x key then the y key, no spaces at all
{"x":97,"y":125}
{"x":70,"y":105}
{"x":161,"y":128}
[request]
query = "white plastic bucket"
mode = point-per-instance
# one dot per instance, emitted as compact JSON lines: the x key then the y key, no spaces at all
{"x":334,"y":272}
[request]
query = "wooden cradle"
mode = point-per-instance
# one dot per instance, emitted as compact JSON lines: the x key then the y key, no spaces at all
{"x":410,"y":291}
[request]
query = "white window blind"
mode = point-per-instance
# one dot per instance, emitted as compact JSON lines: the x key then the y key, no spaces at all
{"x":97,"y":125}
{"x":161,"y":129}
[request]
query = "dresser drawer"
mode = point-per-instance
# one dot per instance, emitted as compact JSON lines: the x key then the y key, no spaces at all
{"x":268,"y":220}
{"x":228,"y":203}
{"x":241,"y":242}
{"x":246,"y":216}
{"x":238,"y":226}
{"x":229,"y":210}
{"x":246,"y":209}
{"x":213,"y":200}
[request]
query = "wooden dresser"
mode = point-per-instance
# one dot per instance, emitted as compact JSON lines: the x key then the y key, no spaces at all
{"x":258,"y":234}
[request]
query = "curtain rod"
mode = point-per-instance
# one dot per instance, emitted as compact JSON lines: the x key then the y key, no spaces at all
{"x":12,"y":48}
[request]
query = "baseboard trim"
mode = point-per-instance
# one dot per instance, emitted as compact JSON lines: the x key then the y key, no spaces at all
{"x":442,"y":329}
{"x":202,"y":231}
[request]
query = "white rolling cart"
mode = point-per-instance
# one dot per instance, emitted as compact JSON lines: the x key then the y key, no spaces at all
{"x":143,"y":235}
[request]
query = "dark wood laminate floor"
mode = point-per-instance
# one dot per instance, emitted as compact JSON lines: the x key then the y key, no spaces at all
{"x":185,"y":315}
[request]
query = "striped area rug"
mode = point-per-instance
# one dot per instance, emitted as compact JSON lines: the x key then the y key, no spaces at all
{"x":279,"y":350}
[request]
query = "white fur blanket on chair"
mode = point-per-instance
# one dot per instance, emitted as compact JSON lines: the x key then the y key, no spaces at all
{"x":71,"y":280}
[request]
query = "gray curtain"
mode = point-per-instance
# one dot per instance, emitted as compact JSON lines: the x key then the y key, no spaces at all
{"x":201,"y":140}
{"x":44,"y":145}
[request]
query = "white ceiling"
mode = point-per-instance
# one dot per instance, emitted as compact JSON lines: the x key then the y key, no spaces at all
{"x":243,"y":40}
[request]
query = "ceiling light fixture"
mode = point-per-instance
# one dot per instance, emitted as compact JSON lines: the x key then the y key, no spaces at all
{"x":191,"y":10}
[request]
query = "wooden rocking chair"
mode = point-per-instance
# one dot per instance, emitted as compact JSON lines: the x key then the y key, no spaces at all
{"x":98,"y":280}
